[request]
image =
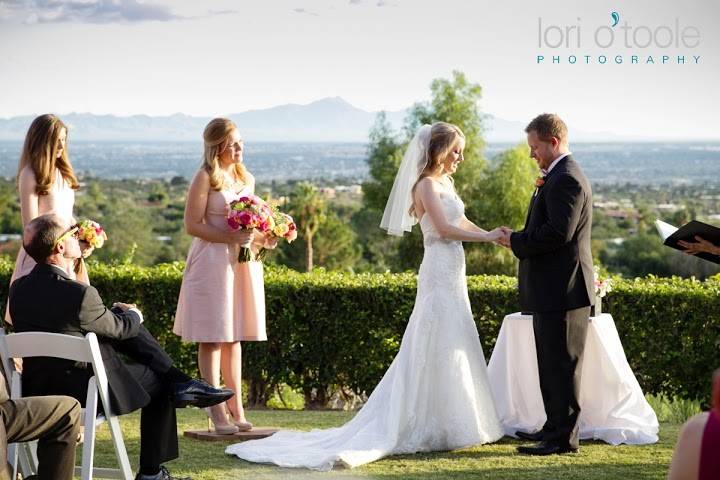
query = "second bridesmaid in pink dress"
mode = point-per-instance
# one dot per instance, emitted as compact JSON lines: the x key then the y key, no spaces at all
{"x":221,"y":301}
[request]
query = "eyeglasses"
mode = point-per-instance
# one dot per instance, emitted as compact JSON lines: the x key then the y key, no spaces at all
{"x":70,"y":232}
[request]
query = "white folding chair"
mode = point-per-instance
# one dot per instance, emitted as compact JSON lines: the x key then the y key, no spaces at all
{"x":41,"y":344}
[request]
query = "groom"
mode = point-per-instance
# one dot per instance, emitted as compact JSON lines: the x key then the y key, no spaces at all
{"x":556,"y":280}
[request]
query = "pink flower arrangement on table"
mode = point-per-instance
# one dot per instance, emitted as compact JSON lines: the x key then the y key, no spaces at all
{"x":91,"y":232}
{"x":247,"y":213}
{"x":603,"y":286}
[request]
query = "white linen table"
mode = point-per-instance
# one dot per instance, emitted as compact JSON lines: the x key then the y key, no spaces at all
{"x":613,"y":407}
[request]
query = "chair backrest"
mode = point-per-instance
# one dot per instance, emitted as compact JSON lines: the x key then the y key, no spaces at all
{"x":42,"y":344}
{"x":87,"y":349}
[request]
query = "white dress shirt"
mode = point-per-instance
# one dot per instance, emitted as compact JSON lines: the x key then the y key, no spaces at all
{"x":552,"y":165}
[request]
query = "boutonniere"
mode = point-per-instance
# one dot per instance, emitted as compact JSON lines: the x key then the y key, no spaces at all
{"x":539,"y":182}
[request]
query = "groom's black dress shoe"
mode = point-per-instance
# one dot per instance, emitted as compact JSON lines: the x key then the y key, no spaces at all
{"x":546,"y":448}
{"x":532,"y":436}
{"x":199,"y":393}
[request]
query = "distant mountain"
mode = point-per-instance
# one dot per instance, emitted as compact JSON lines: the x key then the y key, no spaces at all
{"x":326,"y":120}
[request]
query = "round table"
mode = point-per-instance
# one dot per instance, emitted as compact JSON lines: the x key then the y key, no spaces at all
{"x":613,"y":407}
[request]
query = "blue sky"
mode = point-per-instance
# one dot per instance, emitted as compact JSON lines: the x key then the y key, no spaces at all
{"x":217,"y":57}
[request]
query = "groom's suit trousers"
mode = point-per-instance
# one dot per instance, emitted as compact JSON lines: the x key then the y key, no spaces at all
{"x":560,"y":343}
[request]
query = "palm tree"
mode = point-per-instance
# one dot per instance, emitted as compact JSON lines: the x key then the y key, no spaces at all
{"x":309,"y":208}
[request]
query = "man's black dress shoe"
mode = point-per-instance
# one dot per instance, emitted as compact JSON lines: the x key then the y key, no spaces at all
{"x":163,"y":475}
{"x":199,"y":393}
{"x":546,"y":448}
{"x":532,"y":436}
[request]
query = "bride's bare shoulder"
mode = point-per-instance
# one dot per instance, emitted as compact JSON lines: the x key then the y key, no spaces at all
{"x":427,"y":184}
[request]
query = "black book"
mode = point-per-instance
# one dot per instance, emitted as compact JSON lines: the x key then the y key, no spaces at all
{"x":672,"y":235}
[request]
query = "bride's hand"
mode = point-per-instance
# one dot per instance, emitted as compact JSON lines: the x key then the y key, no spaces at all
{"x":495,"y":235}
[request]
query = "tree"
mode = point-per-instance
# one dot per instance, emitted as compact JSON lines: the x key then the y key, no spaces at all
{"x":384,"y":155}
{"x":308,"y":208}
{"x":503,"y":200}
{"x":336,"y":247}
{"x":335,"y":244}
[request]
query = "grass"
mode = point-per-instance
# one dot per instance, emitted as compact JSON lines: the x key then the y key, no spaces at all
{"x":596,"y":460}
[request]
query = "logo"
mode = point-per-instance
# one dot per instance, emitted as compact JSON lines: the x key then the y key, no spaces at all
{"x":618,"y":43}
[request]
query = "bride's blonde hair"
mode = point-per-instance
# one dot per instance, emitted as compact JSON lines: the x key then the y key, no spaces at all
{"x":40,"y":154}
{"x":443,"y":138}
{"x":216,"y":139}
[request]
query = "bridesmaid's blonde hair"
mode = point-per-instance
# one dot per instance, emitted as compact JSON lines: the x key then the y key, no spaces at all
{"x":217,"y":138}
{"x":443,"y":138}
{"x":40,"y":154}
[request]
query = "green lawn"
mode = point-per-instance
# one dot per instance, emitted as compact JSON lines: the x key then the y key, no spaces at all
{"x":596,"y":460}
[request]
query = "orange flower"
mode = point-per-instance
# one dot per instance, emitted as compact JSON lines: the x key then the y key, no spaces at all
{"x":539,"y":182}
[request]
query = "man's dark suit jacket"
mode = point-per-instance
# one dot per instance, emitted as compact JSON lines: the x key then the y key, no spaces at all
{"x":48,"y":300}
{"x":556,"y":268}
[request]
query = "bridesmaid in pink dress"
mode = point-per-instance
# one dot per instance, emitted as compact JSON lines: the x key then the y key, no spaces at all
{"x":46,"y":183}
{"x":221,"y":301}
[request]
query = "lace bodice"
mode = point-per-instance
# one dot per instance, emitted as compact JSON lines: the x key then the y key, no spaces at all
{"x":453,"y":208}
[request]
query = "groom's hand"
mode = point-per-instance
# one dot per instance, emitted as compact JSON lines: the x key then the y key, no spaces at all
{"x":505,"y":240}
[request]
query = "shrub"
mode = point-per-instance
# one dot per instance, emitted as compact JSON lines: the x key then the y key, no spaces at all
{"x":330,"y":330}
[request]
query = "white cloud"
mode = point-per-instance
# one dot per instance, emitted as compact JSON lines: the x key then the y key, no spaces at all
{"x":101,"y":11}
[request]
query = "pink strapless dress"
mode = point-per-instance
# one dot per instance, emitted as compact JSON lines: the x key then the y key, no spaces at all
{"x":710,"y":448}
{"x":59,"y":200}
{"x":220,"y":300}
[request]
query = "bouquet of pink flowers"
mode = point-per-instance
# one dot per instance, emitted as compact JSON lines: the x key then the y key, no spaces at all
{"x":92,"y":233}
{"x":283,"y":227}
{"x":249,"y":212}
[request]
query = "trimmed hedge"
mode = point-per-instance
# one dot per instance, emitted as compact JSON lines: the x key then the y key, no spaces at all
{"x":328,"y":329}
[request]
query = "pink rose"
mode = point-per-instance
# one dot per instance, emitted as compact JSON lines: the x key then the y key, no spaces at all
{"x":233,"y":223}
{"x":246,"y":218}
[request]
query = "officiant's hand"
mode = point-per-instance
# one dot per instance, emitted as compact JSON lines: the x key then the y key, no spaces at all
{"x":702,"y":245}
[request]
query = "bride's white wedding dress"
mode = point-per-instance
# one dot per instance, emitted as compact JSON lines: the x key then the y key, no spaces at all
{"x":435,"y":395}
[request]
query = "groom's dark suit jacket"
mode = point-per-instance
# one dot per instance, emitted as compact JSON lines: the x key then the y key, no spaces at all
{"x":556,"y":268}
{"x":48,"y":300}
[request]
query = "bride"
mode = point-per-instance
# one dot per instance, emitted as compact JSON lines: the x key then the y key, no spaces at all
{"x":435,"y":395}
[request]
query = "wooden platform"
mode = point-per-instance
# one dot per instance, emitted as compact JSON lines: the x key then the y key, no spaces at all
{"x":254,"y":434}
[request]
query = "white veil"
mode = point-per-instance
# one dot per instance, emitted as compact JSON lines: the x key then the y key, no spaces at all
{"x":396,"y":218}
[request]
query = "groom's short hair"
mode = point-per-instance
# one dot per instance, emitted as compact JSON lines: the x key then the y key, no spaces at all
{"x":548,"y":125}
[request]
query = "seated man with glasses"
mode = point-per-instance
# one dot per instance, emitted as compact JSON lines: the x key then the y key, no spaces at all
{"x":49,"y":300}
